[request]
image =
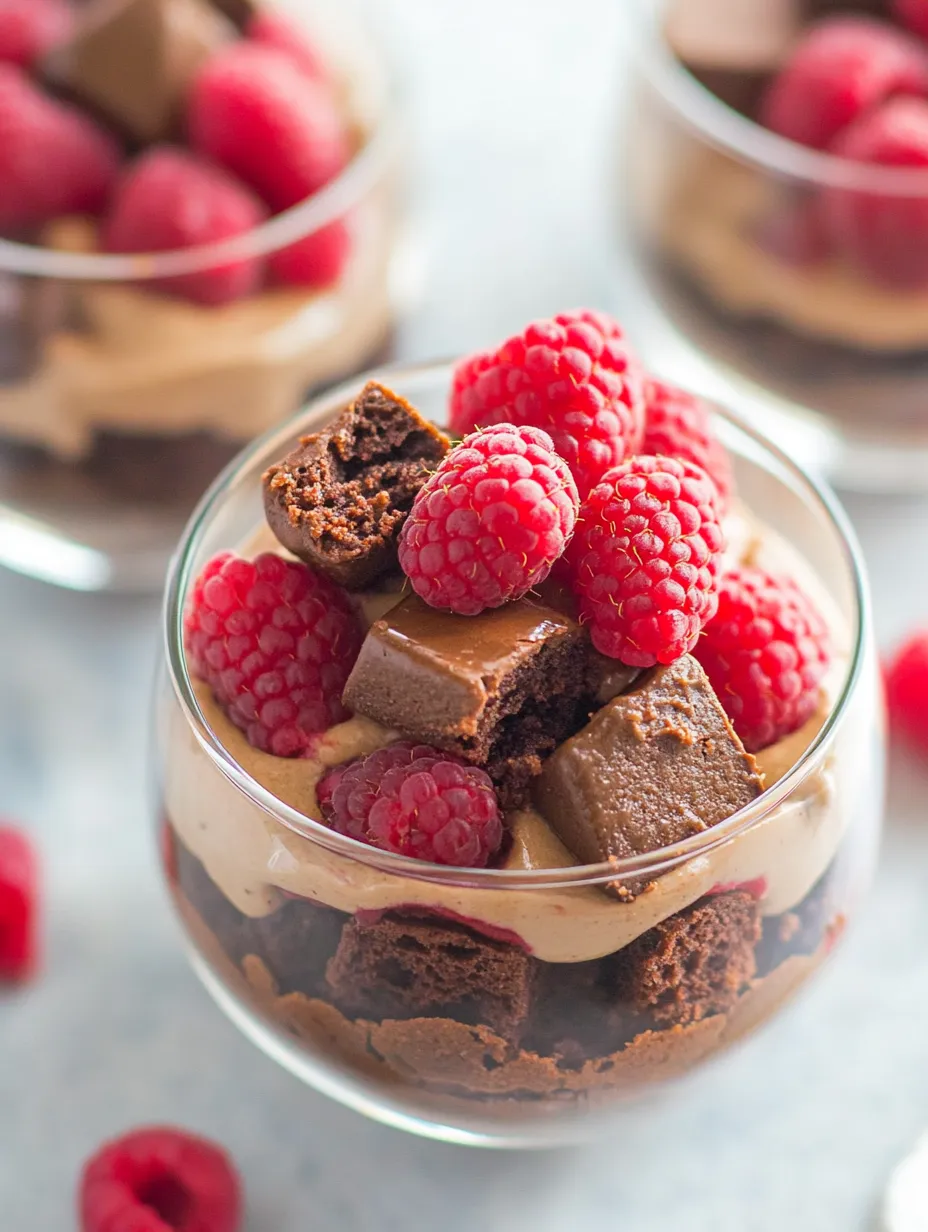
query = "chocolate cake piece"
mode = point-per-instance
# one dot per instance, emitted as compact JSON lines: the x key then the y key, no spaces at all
{"x":410,"y":967}
{"x":500,"y":690}
{"x":232,"y":929}
{"x":656,"y":765}
{"x":296,"y":942}
{"x":340,"y":499}
{"x":694,"y":964}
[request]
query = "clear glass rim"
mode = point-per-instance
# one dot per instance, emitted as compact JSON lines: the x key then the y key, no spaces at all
{"x":726,"y":129}
{"x":335,"y":199}
{"x":275,"y":442}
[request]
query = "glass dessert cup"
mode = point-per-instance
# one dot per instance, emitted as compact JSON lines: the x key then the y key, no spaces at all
{"x":734,"y":296}
{"x":506,"y":1006}
{"x":119,"y":402}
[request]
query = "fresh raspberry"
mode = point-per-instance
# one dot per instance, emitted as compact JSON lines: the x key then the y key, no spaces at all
{"x":679,"y":425}
{"x":843,"y":68}
{"x":276,"y":642}
{"x":255,"y":112}
{"x":416,"y":801}
{"x":160,"y":1180}
{"x":19,"y":892}
{"x":907,"y":691}
{"x":276,"y":30}
{"x":765,"y":653}
{"x":168,"y":199}
{"x":30,"y":28}
{"x":488,"y":525}
{"x":53,"y":159}
{"x":575,"y":376}
{"x":315,"y":261}
{"x":646,"y":557}
{"x":885,"y":235}
{"x":913,"y":14}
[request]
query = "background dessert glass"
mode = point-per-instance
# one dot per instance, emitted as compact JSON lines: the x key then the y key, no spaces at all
{"x":731,"y":291}
{"x":539,"y":1045}
{"x":118,"y":405}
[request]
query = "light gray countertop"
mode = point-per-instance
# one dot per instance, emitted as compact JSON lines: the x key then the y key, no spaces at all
{"x":797,"y":1130}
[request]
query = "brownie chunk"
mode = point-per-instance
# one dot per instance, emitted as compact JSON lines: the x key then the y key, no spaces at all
{"x":501,"y":689}
{"x":410,"y":967}
{"x":296,"y":942}
{"x":340,"y":499}
{"x":656,"y":765}
{"x":694,"y":964}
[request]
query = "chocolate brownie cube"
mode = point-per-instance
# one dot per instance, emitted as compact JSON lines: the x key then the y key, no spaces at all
{"x":340,"y":499}
{"x":296,"y":942}
{"x":411,"y":967}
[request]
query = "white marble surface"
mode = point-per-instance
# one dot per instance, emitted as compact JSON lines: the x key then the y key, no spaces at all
{"x":798,"y":1130}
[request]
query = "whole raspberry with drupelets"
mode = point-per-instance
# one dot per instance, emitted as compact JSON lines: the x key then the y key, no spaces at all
{"x":160,"y":1180}
{"x":276,"y":642}
{"x":415,"y":801}
{"x":678,"y":424}
{"x":575,"y":376}
{"x":907,"y":691}
{"x":765,"y":652}
{"x":646,"y":557}
{"x":489,"y":524}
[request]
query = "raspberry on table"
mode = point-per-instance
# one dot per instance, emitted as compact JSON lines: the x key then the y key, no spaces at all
{"x":885,"y":235}
{"x":765,"y":652}
{"x":53,"y":159}
{"x":160,"y":1180}
{"x":30,"y":28}
{"x":646,"y":557}
{"x":907,"y":691}
{"x":574,"y":376}
{"x":253,"y":110}
{"x":275,"y":641}
{"x":415,"y":801}
{"x":489,"y":524}
{"x":272,"y":29}
{"x":679,"y":425}
{"x":843,"y":68}
{"x":317,"y":260}
{"x":19,"y":906}
{"x":170,"y":198}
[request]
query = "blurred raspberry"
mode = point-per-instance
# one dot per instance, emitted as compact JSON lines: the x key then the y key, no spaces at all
{"x":317,"y":260}
{"x":276,"y":30}
{"x":19,"y":905}
{"x":907,"y":691}
{"x":679,"y":425}
{"x":913,"y":14}
{"x":30,"y":28}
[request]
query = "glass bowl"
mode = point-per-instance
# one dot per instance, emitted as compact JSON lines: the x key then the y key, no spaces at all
{"x":498,"y":1007}
{"x":737,"y":290}
{"x":119,"y":403}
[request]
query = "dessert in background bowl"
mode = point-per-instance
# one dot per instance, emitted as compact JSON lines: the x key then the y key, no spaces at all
{"x":198,"y":210}
{"x":773,"y":192}
{"x":503,"y":781}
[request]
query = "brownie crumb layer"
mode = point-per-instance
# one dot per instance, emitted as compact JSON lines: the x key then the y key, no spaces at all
{"x":340,"y":499}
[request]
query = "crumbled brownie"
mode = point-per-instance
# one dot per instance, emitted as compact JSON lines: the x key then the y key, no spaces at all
{"x":501,"y":689}
{"x":296,"y":942}
{"x":340,"y":499}
{"x":409,"y":967}
{"x":799,"y":931}
{"x":694,"y":964}
{"x":654,"y":766}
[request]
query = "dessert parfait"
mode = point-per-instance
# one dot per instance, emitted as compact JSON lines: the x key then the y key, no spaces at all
{"x":197,"y":209}
{"x":510,"y":771}
{"x":777,"y":199}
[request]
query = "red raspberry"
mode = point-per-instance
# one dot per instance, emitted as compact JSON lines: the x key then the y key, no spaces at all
{"x":19,"y":890}
{"x":276,"y":642}
{"x":907,"y":691}
{"x":886,"y":236}
{"x":912,"y":13}
{"x":315,"y":261}
{"x":646,"y":558}
{"x":30,"y":28}
{"x":253,"y":110}
{"x":169,"y":198}
{"x":415,"y":801}
{"x":765,"y":653}
{"x":488,"y":525}
{"x":843,"y":68}
{"x":574,"y":376}
{"x":679,"y":425}
{"x":160,"y":1180}
{"x":276,"y":30}
{"x":53,"y":159}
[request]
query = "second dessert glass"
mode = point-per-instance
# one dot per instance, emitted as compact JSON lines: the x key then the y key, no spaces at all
{"x":731,"y":290}
{"x":505,"y":1007}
